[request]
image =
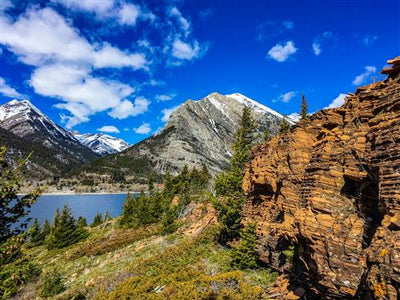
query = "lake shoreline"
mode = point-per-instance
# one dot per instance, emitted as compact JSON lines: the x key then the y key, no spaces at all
{"x":82,"y":194}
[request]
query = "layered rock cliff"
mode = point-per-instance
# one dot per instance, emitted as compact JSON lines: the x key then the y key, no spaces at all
{"x":326,"y":197}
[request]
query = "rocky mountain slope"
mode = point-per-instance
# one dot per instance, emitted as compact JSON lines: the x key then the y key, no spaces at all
{"x":26,"y":129}
{"x":102,"y":144}
{"x":198,"y":132}
{"x":326,"y":197}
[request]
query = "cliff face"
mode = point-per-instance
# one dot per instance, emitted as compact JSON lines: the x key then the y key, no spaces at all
{"x":328,"y":192}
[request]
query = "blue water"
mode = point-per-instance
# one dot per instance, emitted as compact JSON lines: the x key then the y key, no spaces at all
{"x":81,"y":205}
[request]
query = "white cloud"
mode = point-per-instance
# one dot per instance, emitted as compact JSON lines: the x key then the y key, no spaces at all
{"x":128,"y":14}
{"x":316,"y":48}
{"x":167,"y":112}
{"x":182,"y":50}
{"x":124,"y":13}
{"x":43,"y":36}
{"x":110,"y":56}
{"x":323,"y":41}
{"x":126,"y":108}
{"x":143,"y":129}
{"x":338,"y":101}
{"x":369,"y":40}
{"x":109,"y":129}
{"x":99,"y":7}
{"x":281,"y":52}
{"x":362,"y":78}
{"x":82,"y":94}
{"x":286,"y":97}
{"x":164,"y":97}
{"x":184,"y":23}
{"x":9,"y":91}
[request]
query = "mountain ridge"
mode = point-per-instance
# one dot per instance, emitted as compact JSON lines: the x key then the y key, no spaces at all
{"x":198,"y":132}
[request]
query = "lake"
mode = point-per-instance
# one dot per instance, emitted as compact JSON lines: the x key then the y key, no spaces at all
{"x":81,"y":205}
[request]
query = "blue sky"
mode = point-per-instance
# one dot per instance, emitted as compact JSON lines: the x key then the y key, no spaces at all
{"x":122,"y":66}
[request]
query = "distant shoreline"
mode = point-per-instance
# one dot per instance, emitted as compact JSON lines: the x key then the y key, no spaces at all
{"x":81,"y":194}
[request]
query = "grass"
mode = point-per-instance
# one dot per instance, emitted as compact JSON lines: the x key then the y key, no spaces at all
{"x":140,"y":263}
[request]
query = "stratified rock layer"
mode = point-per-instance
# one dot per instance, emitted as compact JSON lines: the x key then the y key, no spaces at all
{"x":328,"y":192}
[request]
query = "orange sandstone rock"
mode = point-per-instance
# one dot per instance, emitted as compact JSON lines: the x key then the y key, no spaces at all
{"x":330,"y":190}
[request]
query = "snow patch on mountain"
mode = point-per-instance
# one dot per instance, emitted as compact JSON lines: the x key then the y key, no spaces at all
{"x":101,"y":143}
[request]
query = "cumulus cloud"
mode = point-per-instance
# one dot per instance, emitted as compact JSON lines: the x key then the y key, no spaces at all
{"x":273,"y":29}
{"x":42,"y":36}
{"x":109,"y":129}
{"x":281,"y":52}
{"x":167,"y":112}
{"x":126,"y":108}
{"x":286,"y":97}
{"x":324,"y":40}
{"x":143,"y":129}
{"x":363,"y":77}
{"x":122,"y":12}
{"x":182,"y":50}
{"x":178,"y":42}
{"x":9,"y":91}
{"x":338,"y":101}
{"x":164,"y":97}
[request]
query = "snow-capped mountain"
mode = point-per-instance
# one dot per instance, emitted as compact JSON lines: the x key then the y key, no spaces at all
{"x":28,"y":125}
{"x":102,"y":144}
{"x":23,"y":118}
{"x":198,"y":132}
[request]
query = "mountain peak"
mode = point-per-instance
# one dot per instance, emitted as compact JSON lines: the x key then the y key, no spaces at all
{"x":101,"y":143}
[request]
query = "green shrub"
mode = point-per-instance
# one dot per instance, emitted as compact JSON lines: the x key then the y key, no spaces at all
{"x":52,"y":284}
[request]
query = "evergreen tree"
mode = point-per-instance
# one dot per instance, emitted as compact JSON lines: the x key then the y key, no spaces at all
{"x":284,"y":126}
{"x":244,"y":255}
{"x":12,"y":207}
{"x":65,"y":232}
{"x":266,"y":135}
{"x":151,"y":182}
{"x":36,"y":234}
{"x":230,"y":182}
{"x":56,"y":220}
{"x":107,"y":216}
{"x":46,"y":228}
{"x":98,"y":219}
{"x":81,"y":222}
{"x":304,"y":107}
{"x":15,"y":269}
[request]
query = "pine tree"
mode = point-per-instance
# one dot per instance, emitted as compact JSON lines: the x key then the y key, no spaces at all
{"x":65,"y":231}
{"x":107,"y":216}
{"x":98,"y":219}
{"x":266,"y":135}
{"x":150,"y":182}
{"x":36,"y":234}
{"x":304,"y":107}
{"x":46,"y":228}
{"x":81,"y":222}
{"x":284,"y":126}
{"x":244,"y":255}
{"x":56,"y":220}
{"x":12,"y":207}
{"x":230,"y":182}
